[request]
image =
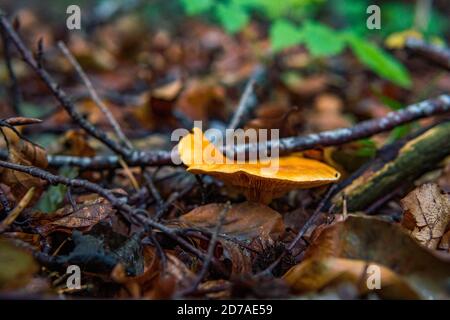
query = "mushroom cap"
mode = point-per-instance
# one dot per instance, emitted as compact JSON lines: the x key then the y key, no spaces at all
{"x":256,"y":178}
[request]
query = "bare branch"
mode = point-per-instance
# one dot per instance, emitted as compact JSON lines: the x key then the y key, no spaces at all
{"x":437,"y":54}
{"x":427,"y":108}
{"x":59,"y":93}
{"x":93,"y":93}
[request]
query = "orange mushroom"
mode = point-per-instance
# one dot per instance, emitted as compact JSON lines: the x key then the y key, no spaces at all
{"x":257,"y":184}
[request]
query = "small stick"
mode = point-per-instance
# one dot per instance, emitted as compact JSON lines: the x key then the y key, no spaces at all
{"x":93,"y":93}
{"x":364,"y":129}
{"x":128,"y":212}
{"x":23,"y":203}
{"x":248,"y":100}
{"x":302,"y":231}
{"x":437,"y":54}
{"x":210,"y":252}
{"x":154,"y":192}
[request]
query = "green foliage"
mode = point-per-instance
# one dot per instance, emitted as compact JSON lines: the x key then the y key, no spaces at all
{"x":232,"y":17}
{"x":284,"y":34}
{"x":379,"y":61}
{"x":321,"y":40}
{"x":53,"y":198}
{"x":193,"y":7}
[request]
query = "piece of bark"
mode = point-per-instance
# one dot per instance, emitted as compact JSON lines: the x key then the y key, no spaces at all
{"x":395,"y":166}
{"x":427,"y":214}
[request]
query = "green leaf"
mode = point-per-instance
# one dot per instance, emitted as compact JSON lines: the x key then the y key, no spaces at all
{"x":193,"y":7}
{"x":284,"y":34}
{"x":379,"y":61}
{"x":53,"y":198}
{"x":232,"y":17}
{"x":321,"y":40}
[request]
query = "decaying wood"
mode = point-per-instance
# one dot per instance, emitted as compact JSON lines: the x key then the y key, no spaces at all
{"x":397,"y":165}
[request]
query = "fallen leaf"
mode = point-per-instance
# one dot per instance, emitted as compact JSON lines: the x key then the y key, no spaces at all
{"x":427,"y":214}
{"x":25,"y":153}
{"x":244,"y":221}
{"x":377,"y":241}
{"x":313,"y":275}
{"x":154,"y":282}
{"x":200,"y":100}
{"x":16,"y":266}
{"x":445,"y":242}
{"x":67,"y":219}
{"x":250,"y":223}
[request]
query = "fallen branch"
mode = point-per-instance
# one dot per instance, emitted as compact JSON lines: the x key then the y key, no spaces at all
{"x":395,"y":166}
{"x":361,"y":130}
{"x":437,"y":54}
{"x":132,"y":215}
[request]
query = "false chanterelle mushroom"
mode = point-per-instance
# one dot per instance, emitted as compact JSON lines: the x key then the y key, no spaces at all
{"x":293,"y":172}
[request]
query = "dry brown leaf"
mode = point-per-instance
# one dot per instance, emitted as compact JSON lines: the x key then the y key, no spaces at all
{"x":25,"y":153}
{"x":153,"y":283}
{"x":427,"y":214}
{"x":445,"y":242}
{"x":377,"y":241}
{"x":444,"y":180}
{"x":316,"y":274}
{"x":200,"y":100}
{"x":244,"y":221}
{"x":66,"y":219}
{"x":327,"y":114}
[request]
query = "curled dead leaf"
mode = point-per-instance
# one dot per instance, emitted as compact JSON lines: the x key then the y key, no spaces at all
{"x":427,"y":214}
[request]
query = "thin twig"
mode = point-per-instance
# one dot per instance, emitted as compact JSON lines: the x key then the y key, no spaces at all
{"x":301,"y":233}
{"x":23,"y":203}
{"x":437,"y":54}
{"x":427,"y":108}
{"x":59,"y":93}
{"x":154,"y":191}
{"x":130,"y":214}
{"x":248,"y":100}
{"x":93,"y":93}
{"x":210,"y":253}
{"x":313,"y":217}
